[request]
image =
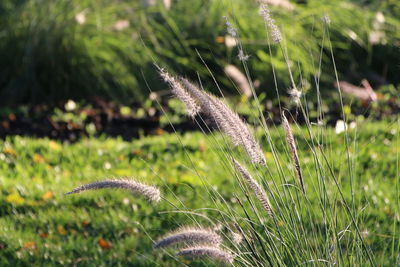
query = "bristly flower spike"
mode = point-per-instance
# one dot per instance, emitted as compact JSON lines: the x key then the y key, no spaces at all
{"x":293,"y":150}
{"x":257,"y":189}
{"x":230,"y":29}
{"x":227,"y":121}
{"x":210,"y":252}
{"x":177,"y":89}
{"x":151,"y":193}
{"x":189,"y":236}
{"x":270,"y":22}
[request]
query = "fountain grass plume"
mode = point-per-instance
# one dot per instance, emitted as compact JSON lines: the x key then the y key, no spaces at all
{"x":177,"y":89}
{"x":151,"y":193}
{"x":210,"y":252}
{"x":189,"y":236}
{"x":257,"y":189}
{"x":227,"y":121}
{"x":293,"y":150}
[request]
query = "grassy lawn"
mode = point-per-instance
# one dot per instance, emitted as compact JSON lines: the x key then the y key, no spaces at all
{"x":41,"y":226}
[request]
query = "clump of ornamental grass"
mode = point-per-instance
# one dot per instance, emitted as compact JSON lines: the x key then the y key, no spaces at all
{"x":189,"y":236}
{"x":255,"y":187}
{"x":150,"y":193}
{"x":293,"y":150}
{"x":213,"y":253}
{"x":226,"y":120}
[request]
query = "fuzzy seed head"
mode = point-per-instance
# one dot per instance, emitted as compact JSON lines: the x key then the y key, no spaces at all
{"x":293,"y":150}
{"x":295,"y":96}
{"x":177,"y":89}
{"x":237,"y":238}
{"x":257,"y":189}
{"x":151,"y":193}
{"x":230,"y":28}
{"x":326,"y":19}
{"x":242,"y":56}
{"x":270,"y":22}
{"x":189,"y":236}
{"x":227,"y":121}
{"x":209,"y":252}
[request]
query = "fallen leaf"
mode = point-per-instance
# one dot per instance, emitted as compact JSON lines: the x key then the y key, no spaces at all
{"x":44,"y":235}
{"x":10,"y":151}
{"x":137,"y":152}
{"x":202,"y":147}
{"x":12,"y":117}
{"x":159,"y":131}
{"x":48,"y":195}
{"x":5,"y":124}
{"x":37,"y":158}
{"x":30,"y":245}
{"x":104,"y":244}
{"x":220,"y":39}
{"x":61,"y":230}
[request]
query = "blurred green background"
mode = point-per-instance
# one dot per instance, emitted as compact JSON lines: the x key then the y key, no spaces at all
{"x":55,"y":50}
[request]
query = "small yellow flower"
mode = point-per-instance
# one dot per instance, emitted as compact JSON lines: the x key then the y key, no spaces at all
{"x":15,"y":199}
{"x":37,"y":158}
{"x":54,"y":146}
{"x":10,"y":151}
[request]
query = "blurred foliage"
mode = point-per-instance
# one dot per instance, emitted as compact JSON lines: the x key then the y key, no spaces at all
{"x":55,"y":50}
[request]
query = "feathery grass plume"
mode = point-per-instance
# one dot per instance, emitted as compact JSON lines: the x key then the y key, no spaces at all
{"x":230,"y":29}
{"x":237,"y":238}
{"x":270,"y":22}
{"x":242,"y":56}
{"x":295,"y":96}
{"x":210,"y":252}
{"x":151,"y":193}
{"x":326,"y":19}
{"x":192,"y":107}
{"x":293,"y":150}
{"x":189,"y":236}
{"x":227,"y":121}
{"x":257,"y":189}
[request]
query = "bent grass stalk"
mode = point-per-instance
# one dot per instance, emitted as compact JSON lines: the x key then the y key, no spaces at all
{"x":189,"y":236}
{"x":293,"y":150}
{"x":257,"y":189}
{"x":227,"y":121}
{"x":210,"y":252}
{"x":151,"y":193}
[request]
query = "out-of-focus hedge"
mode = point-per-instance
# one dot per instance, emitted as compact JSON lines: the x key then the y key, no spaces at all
{"x":53,"y":50}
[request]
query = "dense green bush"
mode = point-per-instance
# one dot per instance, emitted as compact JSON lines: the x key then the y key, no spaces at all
{"x":53,"y":50}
